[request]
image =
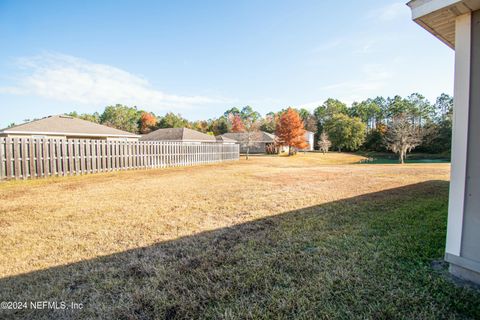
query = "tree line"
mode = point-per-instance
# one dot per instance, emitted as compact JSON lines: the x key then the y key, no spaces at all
{"x":362,"y":126}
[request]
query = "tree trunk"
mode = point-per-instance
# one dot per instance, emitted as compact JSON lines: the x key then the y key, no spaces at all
{"x":402,"y":156}
{"x":289,"y":150}
{"x":248,"y":152}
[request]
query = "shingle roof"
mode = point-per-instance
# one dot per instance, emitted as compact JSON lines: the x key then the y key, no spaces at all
{"x":177,"y":134}
{"x":66,"y":125}
{"x":260,"y":136}
{"x":225,"y":139}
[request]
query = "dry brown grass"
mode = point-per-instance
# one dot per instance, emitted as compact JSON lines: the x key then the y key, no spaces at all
{"x":57,"y":221}
{"x":305,"y":237}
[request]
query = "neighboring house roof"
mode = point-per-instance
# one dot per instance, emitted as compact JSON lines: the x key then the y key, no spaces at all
{"x":177,"y":134}
{"x":66,"y":126}
{"x":259,"y":136}
{"x":225,"y":139}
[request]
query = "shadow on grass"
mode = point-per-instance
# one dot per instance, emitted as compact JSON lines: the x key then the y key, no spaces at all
{"x":363,"y":257}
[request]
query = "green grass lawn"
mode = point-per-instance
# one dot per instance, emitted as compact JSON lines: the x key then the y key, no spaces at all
{"x":369,"y":256}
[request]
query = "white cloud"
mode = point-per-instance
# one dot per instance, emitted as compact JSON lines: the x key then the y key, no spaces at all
{"x":11,"y":90}
{"x":71,"y":79}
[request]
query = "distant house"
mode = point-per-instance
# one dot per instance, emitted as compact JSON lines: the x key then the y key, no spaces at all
{"x":225,"y":140}
{"x":309,"y":137}
{"x":178,"y":134}
{"x":264,"y":142}
{"x":66,"y":127}
{"x":260,"y":142}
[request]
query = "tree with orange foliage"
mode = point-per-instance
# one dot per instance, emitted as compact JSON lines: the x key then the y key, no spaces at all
{"x":237,"y":124}
{"x":290,"y":131}
{"x":147,"y":122}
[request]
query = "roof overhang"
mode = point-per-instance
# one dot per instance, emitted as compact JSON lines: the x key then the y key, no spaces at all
{"x":438,"y":16}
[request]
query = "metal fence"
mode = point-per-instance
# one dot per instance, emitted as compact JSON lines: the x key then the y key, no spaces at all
{"x":22,"y":158}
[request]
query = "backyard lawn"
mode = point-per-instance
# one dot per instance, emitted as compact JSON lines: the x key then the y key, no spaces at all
{"x":310,"y":236}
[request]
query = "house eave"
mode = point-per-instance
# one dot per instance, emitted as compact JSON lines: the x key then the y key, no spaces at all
{"x":438,"y":16}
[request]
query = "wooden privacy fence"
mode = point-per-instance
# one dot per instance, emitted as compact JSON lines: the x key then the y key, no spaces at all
{"x":22,"y":158}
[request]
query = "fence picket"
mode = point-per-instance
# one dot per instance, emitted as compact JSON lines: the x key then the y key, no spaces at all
{"x":110,"y":161}
{"x":58,"y":157}
{"x":16,"y":157}
{"x":71,"y":163}
{"x":107,"y":155}
{"x":8,"y":157}
{"x":113,"y":156}
{"x":128,"y":165}
{"x":2,"y":152}
{"x":77,"y":156}
{"x":46,"y":168}
{"x":38,"y":160}
{"x":63,"y":149}
{"x":88,"y":165}
{"x":120,"y":155}
{"x":52,"y":157}
{"x":103,"y":149}
{"x":81,"y":150}
{"x":24,"y":145}
{"x":117,"y":157}
{"x":96,"y":157}
{"x":99,"y":156}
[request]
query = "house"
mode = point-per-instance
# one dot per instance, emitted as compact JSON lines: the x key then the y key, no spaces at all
{"x":178,"y":134}
{"x":66,"y":127}
{"x":264,"y":142}
{"x":260,"y":142}
{"x":310,"y":138}
{"x":225,"y":140}
{"x":457,"y":24}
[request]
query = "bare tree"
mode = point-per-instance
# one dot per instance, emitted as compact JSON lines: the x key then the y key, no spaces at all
{"x":402,"y":137}
{"x":252,"y":127}
{"x":323,"y":142}
{"x":247,"y":121}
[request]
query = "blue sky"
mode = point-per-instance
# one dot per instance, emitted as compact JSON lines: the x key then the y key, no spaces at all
{"x":199,"y":58}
